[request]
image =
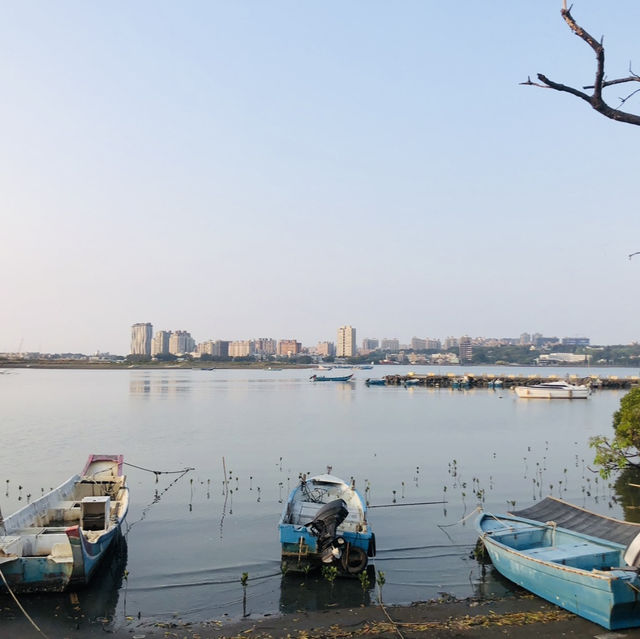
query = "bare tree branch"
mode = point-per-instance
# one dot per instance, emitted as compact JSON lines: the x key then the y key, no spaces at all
{"x":595,"y":98}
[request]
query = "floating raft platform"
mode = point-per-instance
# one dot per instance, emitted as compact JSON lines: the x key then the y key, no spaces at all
{"x":484,"y":380}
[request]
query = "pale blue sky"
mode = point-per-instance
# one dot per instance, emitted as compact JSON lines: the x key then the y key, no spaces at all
{"x":245,"y":169}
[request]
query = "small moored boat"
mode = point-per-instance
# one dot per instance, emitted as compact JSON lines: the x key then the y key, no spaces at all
{"x":325,"y":523}
{"x":375,"y":382}
{"x":591,"y":577}
{"x":324,"y":378}
{"x":552,"y":390}
{"x":57,"y":541}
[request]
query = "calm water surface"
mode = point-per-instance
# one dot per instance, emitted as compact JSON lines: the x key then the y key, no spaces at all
{"x":186,"y":547}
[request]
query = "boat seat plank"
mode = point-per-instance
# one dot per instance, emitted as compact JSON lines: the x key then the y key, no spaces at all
{"x":579,"y":555}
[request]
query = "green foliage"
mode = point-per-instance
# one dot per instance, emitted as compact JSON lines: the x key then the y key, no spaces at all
{"x":620,"y":451}
{"x":330,"y":573}
{"x":365,"y":582}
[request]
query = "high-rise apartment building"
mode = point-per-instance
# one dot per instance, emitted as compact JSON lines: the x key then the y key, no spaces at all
{"x":181,"y":342}
{"x":466,"y":350}
{"x":160,"y":343}
{"x":141,"y":335}
{"x":418,"y":344}
{"x":346,"y":344}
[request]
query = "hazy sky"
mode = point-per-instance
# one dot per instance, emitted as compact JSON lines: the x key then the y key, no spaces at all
{"x":258,"y":168}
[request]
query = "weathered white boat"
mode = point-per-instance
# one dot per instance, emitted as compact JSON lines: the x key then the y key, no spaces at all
{"x":57,"y":541}
{"x":325,"y":523}
{"x":553,"y":390}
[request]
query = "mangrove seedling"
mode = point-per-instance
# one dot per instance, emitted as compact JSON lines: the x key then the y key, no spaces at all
{"x":330,"y":573}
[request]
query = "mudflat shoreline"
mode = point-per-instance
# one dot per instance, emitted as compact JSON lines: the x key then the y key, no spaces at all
{"x":524,"y":616}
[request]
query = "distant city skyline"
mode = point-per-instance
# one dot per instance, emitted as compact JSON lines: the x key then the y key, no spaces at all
{"x":282,"y":169}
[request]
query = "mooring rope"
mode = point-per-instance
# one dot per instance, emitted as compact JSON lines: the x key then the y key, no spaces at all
{"x":157,"y":498}
{"x":160,"y":472}
{"x":24,"y":612}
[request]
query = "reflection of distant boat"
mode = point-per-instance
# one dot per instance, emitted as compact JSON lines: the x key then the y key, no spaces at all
{"x":552,"y":390}
{"x":322,"y":378}
{"x":57,"y":541}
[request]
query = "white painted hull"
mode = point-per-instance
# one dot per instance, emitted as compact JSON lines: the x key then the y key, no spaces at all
{"x":532,"y":392}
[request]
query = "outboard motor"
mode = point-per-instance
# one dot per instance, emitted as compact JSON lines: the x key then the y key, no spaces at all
{"x":324,"y":526}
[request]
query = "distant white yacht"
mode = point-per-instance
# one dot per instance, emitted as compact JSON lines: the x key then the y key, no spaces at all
{"x":553,"y":390}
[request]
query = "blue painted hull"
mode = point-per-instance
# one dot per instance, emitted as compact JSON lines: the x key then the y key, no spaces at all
{"x":574,"y":571}
{"x":300,"y":546}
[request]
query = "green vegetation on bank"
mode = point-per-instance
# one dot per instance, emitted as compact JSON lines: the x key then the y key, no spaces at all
{"x":623,"y":449}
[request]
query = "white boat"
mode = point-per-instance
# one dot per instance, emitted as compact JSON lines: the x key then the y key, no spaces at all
{"x":553,"y":390}
{"x":325,"y":523}
{"x":57,"y":541}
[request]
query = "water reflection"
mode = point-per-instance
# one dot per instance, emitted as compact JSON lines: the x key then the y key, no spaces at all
{"x":627,"y":487}
{"x":159,"y":385}
{"x":314,"y":592}
{"x":58,"y":613}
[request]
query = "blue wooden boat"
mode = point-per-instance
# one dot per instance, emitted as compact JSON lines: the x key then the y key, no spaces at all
{"x":58,"y":541}
{"x":324,"y":522}
{"x":376,"y":382}
{"x":323,"y":378}
{"x":589,"y":576}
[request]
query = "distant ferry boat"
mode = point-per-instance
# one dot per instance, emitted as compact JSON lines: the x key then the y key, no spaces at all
{"x":553,"y":390}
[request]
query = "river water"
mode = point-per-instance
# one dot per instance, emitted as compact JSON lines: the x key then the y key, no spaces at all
{"x":188,"y":544}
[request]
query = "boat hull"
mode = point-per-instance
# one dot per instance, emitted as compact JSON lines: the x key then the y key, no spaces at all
{"x":565,"y":574}
{"x":531,"y":392}
{"x":55,"y":543}
{"x":300,"y":546}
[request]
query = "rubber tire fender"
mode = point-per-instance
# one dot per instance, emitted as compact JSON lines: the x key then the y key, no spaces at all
{"x":353,"y":560}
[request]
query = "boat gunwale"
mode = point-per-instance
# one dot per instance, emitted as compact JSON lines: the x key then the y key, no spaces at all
{"x":608,"y":576}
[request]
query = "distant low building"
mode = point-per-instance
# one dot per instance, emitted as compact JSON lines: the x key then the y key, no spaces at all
{"x":575,"y":341}
{"x":563,"y":358}
{"x":369,"y":345}
{"x":241,"y":348}
{"x":289,"y":347}
{"x":326,"y":349}
{"x":390,"y":345}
